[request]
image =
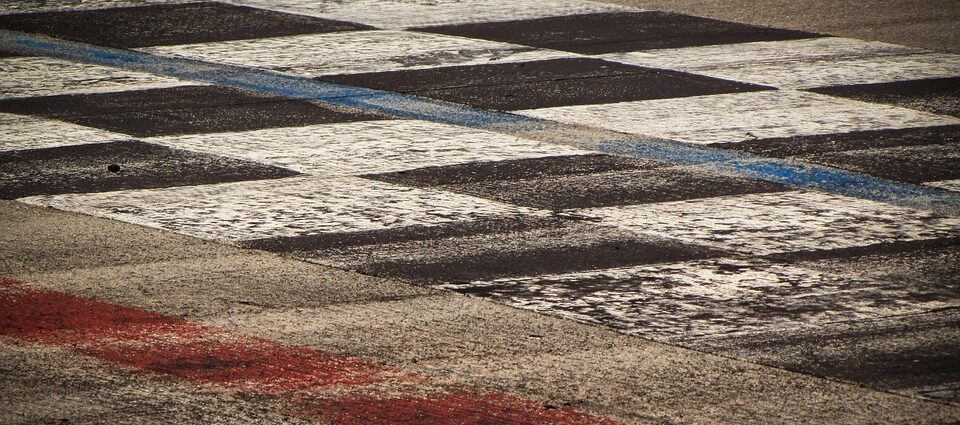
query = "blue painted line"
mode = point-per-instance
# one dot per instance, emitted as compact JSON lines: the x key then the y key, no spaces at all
{"x":399,"y":105}
{"x":796,"y":174}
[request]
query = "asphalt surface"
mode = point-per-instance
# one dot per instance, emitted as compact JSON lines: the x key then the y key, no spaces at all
{"x":932,"y":24}
{"x":458,"y":340}
{"x":394,"y":212}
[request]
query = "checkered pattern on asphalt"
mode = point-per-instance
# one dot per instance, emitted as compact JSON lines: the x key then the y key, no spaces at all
{"x":667,"y":252}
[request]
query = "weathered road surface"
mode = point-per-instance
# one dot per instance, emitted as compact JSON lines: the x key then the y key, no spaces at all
{"x":932,"y":24}
{"x":480,"y":212}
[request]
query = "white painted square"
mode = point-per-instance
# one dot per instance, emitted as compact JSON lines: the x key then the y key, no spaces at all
{"x":953,"y":185}
{"x":31,"y":6}
{"x":39,"y":76}
{"x":709,"y":297}
{"x":396,"y":14}
{"x":771,"y":223}
{"x":366,"y":147}
{"x":355,"y":52}
{"x":805,"y":63}
{"x":741,"y":116}
{"x":28,"y":132}
{"x":282,"y":207}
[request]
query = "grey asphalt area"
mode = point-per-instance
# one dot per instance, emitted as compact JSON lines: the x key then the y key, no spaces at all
{"x":479,"y":212}
{"x":933,"y":24}
{"x":456,"y":339}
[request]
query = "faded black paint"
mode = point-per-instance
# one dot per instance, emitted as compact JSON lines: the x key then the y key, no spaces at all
{"x":169,"y":24}
{"x":618,"y":32}
{"x":544,"y":84}
{"x":936,"y":95}
{"x":782,"y":147}
{"x":181,"y":110}
{"x":83,"y":169}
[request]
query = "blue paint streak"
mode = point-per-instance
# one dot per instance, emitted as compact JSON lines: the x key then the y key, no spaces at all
{"x":791,"y":173}
{"x":262,"y":81}
{"x":405,"y":106}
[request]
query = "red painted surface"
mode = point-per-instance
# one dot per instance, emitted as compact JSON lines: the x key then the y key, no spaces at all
{"x":175,"y":347}
{"x":466,"y":408}
{"x":172,"y":347}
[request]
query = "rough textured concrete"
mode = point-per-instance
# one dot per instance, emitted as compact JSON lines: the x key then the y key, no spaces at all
{"x":931,"y":24}
{"x":886,"y":319}
{"x":661,"y":384}
{"x":37,"y":239}
{"x":457,"y":339}
{"x":47,"y":385}
{"x":238,"y":283}
{"x":911,"y":354}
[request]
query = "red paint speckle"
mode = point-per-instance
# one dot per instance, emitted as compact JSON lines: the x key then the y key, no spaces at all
{"x":462,"y":408}
{"x":175,"y":347}
{"x":172,"y":347}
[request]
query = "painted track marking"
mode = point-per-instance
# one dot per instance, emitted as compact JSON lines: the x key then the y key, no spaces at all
{"x":412,"y":107}
{"x":314,"y":384}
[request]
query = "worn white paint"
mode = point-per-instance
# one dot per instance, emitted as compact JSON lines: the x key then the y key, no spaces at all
{"x":396,"y":14}
{"x":283,"y":207}
{"x":366,"y":147}
{"x":742,"y":116}
{"x":39,"y":76}
{"x":802,"y":63}
{"x":706,"y":297}
{"x":27,"y":132}
{"x":771,"y":223}
{"x":740,"y":55}
{"x":953,"y":185}
{"x":30,"y":6}
{"x":355,"y":51}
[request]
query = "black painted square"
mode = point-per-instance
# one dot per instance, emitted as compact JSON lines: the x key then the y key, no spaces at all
{"x":543,"y":84}
{"x":181,"y":110}
{"x":462,"y":252}
{"x":168,"y":24}
{"x":914,"y":353}
{"x":936,"y":95}
{"x":85,"y":168}
{"x":914,"y":164}
{"x":618,"y":32}
{"x":612,"y":189}
{"x":571,"y":182}
{"x":782,"y":147}
{"x":514,"y":169}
